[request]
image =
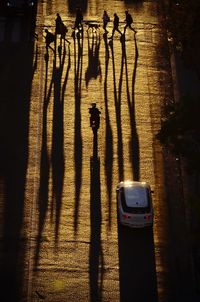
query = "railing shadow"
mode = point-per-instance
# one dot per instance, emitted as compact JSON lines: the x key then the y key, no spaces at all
{"x":78,"y":62}
{"x":96,"y":263}
{"x":108,"y":137}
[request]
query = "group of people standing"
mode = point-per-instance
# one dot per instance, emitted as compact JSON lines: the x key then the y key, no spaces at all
{"x":61,"y":29}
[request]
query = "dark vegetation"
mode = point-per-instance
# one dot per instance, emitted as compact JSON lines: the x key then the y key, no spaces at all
{"x":180,"y":129}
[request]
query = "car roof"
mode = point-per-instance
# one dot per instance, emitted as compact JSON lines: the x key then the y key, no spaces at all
{"x":136,"y":196}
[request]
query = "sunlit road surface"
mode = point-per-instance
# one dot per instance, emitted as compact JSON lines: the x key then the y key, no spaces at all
{"x":75,"y":250}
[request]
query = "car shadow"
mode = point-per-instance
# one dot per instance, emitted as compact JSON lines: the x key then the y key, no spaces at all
{"x":137,"y":269}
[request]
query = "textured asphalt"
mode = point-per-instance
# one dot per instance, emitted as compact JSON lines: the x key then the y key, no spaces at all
{"x":60,"y":238}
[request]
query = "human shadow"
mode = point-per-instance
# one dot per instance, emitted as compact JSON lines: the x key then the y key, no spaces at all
{"x":96,"y":262}
{"x":108,"y":136}
{"x":43,"y":195}
{"x":78,"y":144}
{"x":16,"y":75}
{"x":94,"y":67}
{"x":134,"y":141}
{"x":117,"y":100}
{"x":57,"y":155}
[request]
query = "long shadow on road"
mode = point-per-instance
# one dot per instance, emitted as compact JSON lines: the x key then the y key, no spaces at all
{"x":137,"y":270}
{"x":96,"y":265}
{"x":134,"y":141}
{"x":117,"y":100}
{"x":58,"y":161}
{"x":109,"y":137}
{"x":44,"y":165}
{"x":78,"y":61}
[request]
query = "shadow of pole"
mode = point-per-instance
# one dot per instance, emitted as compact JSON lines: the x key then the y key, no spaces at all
{"x":96,"y":265}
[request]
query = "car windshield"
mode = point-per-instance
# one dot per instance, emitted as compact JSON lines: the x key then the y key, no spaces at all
{"x":136,"y":197}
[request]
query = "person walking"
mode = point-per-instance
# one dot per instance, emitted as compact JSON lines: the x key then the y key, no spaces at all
{"x":59,"y":23}
{"x":115,"y":25}
{"x":129,"y":21}
{"x":106,"y":19}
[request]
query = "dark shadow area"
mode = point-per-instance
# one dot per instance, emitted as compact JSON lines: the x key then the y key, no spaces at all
{"x":94,"y":67}
{"x":96,"y":263}
{"x":16,"y":74}
{"x":73,"y":4}
{"x":134,"y":141}
{"x":109,"y":135}
{"x":117,"y":100}
{"x":137,"y":268}
{"x":78,"y":144}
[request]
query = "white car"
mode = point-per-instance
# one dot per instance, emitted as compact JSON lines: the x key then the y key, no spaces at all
{"x":134,"y":204}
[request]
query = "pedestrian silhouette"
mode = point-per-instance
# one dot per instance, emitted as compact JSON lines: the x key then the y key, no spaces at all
{"x":58,"y":24}
{"x":79,"y":19}
{"x":106,"y":19}
{"x":115,"y":26}
{"x":49,"y":38}
{"x":129,"y":21}
{"x":94,"y":114}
